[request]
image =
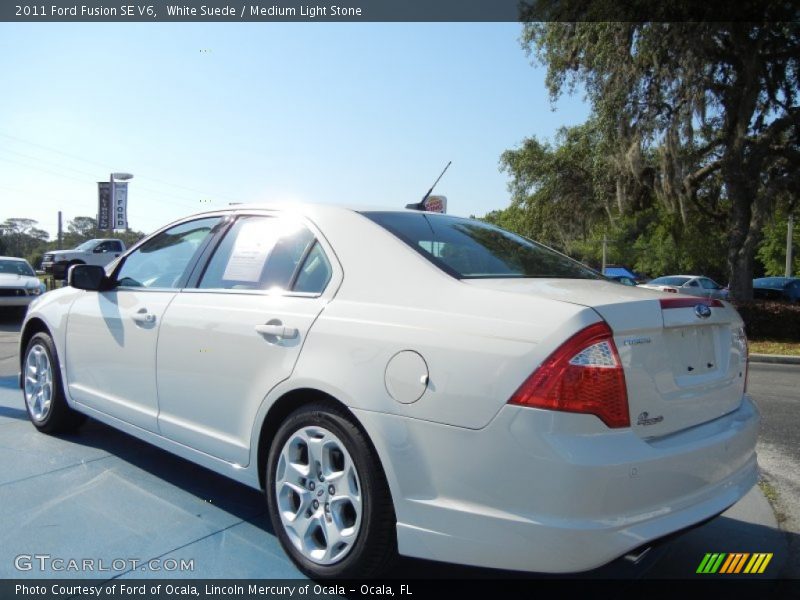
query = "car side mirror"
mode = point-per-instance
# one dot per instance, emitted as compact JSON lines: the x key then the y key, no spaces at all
{"x":86,"y":277}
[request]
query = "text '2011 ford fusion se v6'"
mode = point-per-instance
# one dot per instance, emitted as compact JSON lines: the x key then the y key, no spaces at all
{"x":405,"y":382}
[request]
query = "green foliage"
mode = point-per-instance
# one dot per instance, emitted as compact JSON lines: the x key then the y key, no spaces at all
{"x":701,"y":118}
{"x":559,"y":192}
{"x":21,"y":237}
{"x":772,"y":252}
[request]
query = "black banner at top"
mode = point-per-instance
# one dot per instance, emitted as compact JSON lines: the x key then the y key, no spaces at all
{"x":397,"y":10}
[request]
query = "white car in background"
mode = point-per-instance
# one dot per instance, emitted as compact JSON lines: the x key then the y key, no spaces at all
{"x":693,"y":285}
{"x":406,"y":382}
{"x":18,"y":283}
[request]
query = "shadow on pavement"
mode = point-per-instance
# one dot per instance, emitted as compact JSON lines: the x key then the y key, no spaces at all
{"x":225,"y":494}
{"x":10,"y":321}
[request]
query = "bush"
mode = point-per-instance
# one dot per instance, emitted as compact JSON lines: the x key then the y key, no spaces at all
{"x":775,"y":321}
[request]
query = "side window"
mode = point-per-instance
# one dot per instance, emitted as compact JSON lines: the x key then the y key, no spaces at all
{"x":258,"y":253}
{"x":162,"y":260}
{"x":693,"y":283}
{"x":708,"y":284}
{"x":115,"y":247}
{"x":315,"y":273}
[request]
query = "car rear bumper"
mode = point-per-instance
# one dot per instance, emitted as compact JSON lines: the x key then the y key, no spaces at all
{"x":554,"y":492}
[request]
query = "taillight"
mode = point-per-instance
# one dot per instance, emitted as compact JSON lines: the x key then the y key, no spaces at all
{"x":584,"y":375}
{"x":740,"y":340}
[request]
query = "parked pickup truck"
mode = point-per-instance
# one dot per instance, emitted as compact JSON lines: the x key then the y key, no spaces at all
{"x":92,"y":252}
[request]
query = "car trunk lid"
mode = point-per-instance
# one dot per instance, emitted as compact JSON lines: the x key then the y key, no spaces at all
{"x":684,"y":357}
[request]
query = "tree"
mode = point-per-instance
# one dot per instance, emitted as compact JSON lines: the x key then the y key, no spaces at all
{"x":564,"y":190}
{"x":21,"y":236}
{"x":715,"y":104}
{"x":83,"y":226}
{"x":772,"y":252}
{"x":79,"y":230}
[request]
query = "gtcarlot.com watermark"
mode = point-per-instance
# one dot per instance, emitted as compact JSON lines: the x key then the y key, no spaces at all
{"x":57,"y":564}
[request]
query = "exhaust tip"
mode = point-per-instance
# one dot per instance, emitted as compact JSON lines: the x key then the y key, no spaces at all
{"x":636,"y":556}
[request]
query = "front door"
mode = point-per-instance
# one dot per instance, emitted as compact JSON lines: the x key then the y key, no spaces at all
{"x":112,"y":335}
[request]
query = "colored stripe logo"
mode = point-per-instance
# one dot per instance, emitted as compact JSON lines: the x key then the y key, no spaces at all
{"x":734,"y":563}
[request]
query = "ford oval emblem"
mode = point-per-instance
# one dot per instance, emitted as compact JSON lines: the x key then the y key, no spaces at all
{"x":703,"y":311}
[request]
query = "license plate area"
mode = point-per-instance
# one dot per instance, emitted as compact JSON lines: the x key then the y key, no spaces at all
{"x":692,"y":352}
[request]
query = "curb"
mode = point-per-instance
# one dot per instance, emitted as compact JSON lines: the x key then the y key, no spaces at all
{"x":779,"y":359}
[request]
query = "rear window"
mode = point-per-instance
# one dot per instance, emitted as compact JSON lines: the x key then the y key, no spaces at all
{"x":469,"y":249}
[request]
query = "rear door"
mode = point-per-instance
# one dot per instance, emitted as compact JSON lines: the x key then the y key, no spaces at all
{"x":224,"y":344}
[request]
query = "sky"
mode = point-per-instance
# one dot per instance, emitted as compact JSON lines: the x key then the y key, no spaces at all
{"x":207,"y":114}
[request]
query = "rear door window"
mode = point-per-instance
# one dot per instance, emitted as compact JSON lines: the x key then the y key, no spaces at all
{"x":267,"y":253}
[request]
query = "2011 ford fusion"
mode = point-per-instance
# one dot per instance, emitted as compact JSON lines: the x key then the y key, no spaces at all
{"x":400,"y":381}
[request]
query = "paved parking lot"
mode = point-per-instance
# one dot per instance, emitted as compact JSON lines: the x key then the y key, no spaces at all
{"x":104,"y":496}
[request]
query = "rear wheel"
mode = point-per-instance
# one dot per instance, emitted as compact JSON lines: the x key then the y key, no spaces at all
{"x":44,"y":397}
{"x":327,"y":496}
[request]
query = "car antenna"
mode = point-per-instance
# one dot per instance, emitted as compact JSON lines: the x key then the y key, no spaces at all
{"x":421,"y":204}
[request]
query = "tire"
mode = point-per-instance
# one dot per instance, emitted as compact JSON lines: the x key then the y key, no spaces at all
{"x":353,"y":503}
{"x":44,"y":396}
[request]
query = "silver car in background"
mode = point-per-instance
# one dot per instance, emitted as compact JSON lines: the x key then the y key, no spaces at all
{"x":693,"y":285}
{"x":18,"y":284}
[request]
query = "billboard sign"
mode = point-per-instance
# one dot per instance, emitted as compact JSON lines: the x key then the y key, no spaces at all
{"x":103,"y":205}
{"x":119,"y":199}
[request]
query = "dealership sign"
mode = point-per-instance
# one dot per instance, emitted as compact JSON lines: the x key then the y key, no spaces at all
{"x":103,"y":205}
{"x":119,"y":198}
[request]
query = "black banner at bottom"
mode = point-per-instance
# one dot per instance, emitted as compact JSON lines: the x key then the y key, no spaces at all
{"x":411,"y":589}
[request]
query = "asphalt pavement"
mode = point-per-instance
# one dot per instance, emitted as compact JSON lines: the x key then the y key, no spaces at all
{"x":103,"y":495}
{"x":776,"y":388}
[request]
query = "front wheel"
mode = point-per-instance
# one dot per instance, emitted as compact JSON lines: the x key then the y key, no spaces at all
{"x":328,"y":499}
{"x":44,"y":397}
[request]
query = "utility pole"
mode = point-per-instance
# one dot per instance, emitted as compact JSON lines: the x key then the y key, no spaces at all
{"x":605,"y":244}
{"x":60,"y":232}
{"x":789,"y":236}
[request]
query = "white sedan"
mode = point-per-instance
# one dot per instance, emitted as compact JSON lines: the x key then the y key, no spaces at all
{"x":18,"y":283}
{"x":406,"y":382}
{"x":692,"y":285}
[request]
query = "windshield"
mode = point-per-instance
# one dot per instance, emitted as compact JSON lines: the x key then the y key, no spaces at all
{"x":676,"y":281}
{"x":16,"y":267}
{"x":86,"y":246}
{"x":469,"y":249}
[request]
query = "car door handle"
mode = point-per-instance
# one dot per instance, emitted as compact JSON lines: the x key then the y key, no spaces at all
{"x":277,"y":330}
{"x":142,"y":316}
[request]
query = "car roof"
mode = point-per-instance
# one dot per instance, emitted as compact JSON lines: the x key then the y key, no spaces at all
{"x":17,"y":258}
{"x":308,"y":208}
